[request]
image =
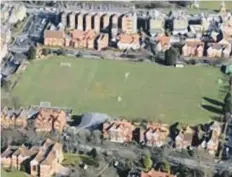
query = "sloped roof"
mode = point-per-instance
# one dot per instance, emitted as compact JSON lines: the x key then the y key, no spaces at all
{"x":92,"y":119}
{"x":54,"y":34}
{"x":153,"y":173}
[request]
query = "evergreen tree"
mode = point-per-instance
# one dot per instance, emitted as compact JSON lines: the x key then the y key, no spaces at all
{"x":32,"y":53}
{"x":171,"y":56}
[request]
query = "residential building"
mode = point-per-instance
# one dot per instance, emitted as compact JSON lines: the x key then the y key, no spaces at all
{"x":83,"y":39}
{"x":155,"y":134}
{"x":12,"y":118}
{"x":193,"y":48}
{"x":220,"y":49}
{"x":212,"y":143}
{"x":88,"y":22}
{"x":127,"y":41}
{"x":226,"y":28}
{"x":80,"y":21}
{"x":114,"y":32}
{"x":41,"y":161}
{"x":120,"y":131}
{"x":180,"y":26}
{"x":72,"y":21}
{"x":48,"y":159}
{"x":153,"y":173}
{"x":105,"y":21}
{"x":114,"y":19}
{"x":54,"y":38}
{"x":64,"y":19}
{"x":156,"y":26}
{"x":184,"y":138}
{"x":129,"y":23}
{"x":102,"y":41}
{"x":197,"y":30}
{"x":50,"y":119}
{"x":96,"y":22}
{"x":163,"y":43}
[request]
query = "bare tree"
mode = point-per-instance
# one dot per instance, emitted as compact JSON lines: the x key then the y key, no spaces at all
{"x":96,"y":136}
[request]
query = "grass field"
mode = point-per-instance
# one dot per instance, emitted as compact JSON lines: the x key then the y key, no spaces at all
{"x":151,"y":91}
{"x":214,"y":5}
{"x":12,"y":174}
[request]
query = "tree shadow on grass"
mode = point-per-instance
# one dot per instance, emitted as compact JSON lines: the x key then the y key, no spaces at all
{"x":213,"y":101}
{"x":213,"y":109}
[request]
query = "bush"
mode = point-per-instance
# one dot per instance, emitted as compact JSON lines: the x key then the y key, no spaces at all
{"x":147,"y":162}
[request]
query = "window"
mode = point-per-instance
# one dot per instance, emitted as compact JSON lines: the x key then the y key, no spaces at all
{"x":34,"y":167}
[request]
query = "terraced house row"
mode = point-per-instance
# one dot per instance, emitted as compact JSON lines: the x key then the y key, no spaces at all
{"x":121,"y":130}
{"x":157,"y":134}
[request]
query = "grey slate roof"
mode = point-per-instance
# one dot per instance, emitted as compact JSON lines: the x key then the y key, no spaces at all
{"x":92,"y":119}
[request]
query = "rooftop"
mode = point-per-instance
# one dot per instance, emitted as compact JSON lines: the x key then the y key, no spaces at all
{"x":54,"y":34}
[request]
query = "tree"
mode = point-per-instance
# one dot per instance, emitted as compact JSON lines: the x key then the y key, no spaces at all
{"x":171,"y":56}
{"x":96,"y":136}
{"x":45,"y":51}
{"x":147,"y":162}
{"x":165,"y":166}
{"x":32,"y":53}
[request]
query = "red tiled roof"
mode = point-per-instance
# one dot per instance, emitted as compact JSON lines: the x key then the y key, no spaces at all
{"x":153,"y":173}
{"x":163,"y":39}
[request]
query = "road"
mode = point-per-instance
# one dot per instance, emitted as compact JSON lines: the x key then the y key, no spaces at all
{"x":192,"y":163}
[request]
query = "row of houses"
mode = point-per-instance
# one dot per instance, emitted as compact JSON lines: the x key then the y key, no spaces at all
{"x":76,"y":39}
{"x":98,"y":21}
{"x":45,"y":119}
{"x":193,"y":47}
{"x":43,"y":161}
{"x":156,"y":134}
{"x":90,"y":39}
{"x":120,"y":131}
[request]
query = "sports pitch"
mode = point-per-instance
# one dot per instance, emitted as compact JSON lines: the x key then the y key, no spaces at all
{"x":150,"y":91}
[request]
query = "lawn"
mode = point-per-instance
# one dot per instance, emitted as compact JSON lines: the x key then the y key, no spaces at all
{"x":74,"y":159}
{"x":214,"y":5}
{"x":12,"y":174}
{"x":151,"y":91}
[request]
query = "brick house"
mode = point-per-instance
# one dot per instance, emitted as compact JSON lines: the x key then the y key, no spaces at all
{"x":83,"y":39}
{"x":48,"y":159}
{"x":155,"y":134}
{"x":153,"y":173}
{"x":212,"y":143}
{"x":102,"y":41}
{"x":127,"y":24}
{"x":120,"y":131}
{"x":220,"y":49}
{"x":127,"y":41}
{"x":163,"y":43}
{"x":54,"y":38}
{"x":11,"y":118}
{"x":50,"y":119}
{"x":184,"y":138}
{"x":193,"y":48}
{"x":40,"y":161}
